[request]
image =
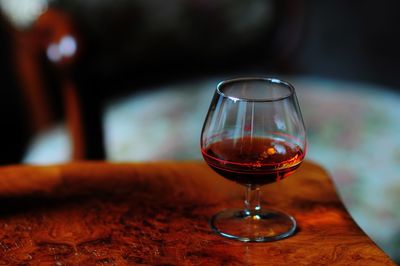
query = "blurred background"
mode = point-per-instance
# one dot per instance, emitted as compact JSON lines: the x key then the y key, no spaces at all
{"x":132,"y":80}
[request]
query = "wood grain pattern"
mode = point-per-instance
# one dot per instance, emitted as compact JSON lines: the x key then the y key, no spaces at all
{"x":94,"y":213}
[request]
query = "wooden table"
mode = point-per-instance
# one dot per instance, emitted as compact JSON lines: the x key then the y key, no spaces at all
{"x":95,"y":213}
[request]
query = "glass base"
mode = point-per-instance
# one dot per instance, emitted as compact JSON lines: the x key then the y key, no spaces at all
{"x":262,"y":226}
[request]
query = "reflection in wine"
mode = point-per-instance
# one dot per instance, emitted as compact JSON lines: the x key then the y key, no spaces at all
{"x":253,"y":161}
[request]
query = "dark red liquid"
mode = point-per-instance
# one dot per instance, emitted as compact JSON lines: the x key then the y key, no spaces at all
{"x":253,"y":161}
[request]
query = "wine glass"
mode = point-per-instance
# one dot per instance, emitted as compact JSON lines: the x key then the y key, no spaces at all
{"x":254,"y":135}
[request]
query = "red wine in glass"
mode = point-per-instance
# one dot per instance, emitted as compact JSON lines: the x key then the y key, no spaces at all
{"x":253,"y":161}
{"x":253,"y":135}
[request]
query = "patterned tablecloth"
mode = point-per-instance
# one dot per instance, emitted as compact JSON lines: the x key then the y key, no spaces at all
{"x":353,"y":131}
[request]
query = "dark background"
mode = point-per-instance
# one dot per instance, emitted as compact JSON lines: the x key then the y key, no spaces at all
{"x":125,"y":49}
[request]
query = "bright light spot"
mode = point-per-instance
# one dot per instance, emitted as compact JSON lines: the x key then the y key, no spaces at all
{"x":234,"y":99}
{"x":280,"y":149}
{"x":279,"y":123}
{"x":271,"y":151}
{"x":67,"y":46}
{"x":53,"y":52}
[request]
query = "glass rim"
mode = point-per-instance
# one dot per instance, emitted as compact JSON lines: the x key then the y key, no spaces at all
{"x":269,"y":80}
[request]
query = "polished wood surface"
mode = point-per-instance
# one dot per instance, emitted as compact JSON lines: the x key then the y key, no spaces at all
{"x":94,"y":213}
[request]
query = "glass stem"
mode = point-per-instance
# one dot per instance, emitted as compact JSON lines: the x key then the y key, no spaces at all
{"x":252,"y":201}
